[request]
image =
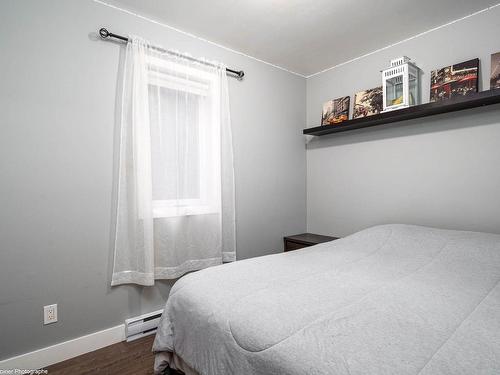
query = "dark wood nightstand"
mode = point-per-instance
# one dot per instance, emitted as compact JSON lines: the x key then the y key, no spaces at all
{"x":298,"y":241}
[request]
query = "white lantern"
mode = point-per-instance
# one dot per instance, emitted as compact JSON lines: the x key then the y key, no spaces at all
{"x":400,"y":82}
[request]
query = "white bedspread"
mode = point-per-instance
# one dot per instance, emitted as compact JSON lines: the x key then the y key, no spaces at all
{"x":393,"y":299}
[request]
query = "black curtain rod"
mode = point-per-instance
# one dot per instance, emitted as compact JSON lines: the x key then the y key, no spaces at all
{"x":104,"y":33}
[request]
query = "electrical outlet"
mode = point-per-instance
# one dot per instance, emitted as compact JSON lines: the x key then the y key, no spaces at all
{"x":50,"y":314}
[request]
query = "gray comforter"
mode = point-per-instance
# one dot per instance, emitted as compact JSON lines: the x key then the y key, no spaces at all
{"x":393,"y":299}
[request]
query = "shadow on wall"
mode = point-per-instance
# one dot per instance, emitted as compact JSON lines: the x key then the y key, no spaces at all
{"x":141,"y":299}
{"x":439,"y":123}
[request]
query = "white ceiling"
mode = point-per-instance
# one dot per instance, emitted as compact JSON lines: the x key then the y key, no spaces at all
{"x":304,"y":36}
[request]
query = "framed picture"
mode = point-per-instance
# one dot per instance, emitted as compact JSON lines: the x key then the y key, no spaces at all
{"x":495,"y":71}
{"x":455,"y":80}
{"x":368,"y":102}
{"x":335,"y":111}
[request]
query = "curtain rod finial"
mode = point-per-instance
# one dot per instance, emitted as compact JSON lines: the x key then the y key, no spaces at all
{"x":241,"y":74}
{"x":103,"y":33}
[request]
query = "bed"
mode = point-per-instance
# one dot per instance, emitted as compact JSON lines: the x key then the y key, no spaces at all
{"x":392,"y":299}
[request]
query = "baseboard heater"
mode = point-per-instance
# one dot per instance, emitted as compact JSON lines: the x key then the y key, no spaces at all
{"x":143,"y":325}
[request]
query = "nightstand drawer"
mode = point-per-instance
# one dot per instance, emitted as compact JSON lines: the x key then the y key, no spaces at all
{"x":290,"y":245}
{"x":300,"y":241}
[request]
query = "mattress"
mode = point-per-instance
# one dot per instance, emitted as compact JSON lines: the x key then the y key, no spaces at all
{"x":392,"y":299}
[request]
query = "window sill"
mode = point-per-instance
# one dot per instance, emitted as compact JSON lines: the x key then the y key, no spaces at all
{"x":166,"y":212}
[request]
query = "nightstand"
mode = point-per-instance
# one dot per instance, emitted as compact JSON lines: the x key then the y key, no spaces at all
{"x":298,"y":241}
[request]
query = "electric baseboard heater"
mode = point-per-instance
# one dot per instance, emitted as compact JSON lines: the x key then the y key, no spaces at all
{"x":143,"y":325}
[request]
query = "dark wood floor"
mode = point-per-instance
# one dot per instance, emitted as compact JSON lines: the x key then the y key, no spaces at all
{"x":124,"y":358}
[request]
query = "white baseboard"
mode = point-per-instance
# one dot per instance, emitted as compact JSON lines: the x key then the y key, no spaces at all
{"x":65,"y":350}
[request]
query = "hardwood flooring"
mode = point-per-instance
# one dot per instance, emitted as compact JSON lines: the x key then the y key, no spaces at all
{"x":124,"y":358}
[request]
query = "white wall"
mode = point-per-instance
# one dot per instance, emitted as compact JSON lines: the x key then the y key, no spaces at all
{"x":57,"y":96}
{"x":441,"y":171}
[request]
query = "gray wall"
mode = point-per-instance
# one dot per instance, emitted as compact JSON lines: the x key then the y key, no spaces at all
{"x":57,"y":96}
{"x":442,"y":171}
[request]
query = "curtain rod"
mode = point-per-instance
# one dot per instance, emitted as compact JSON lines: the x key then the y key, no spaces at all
{"x":104,"y":33}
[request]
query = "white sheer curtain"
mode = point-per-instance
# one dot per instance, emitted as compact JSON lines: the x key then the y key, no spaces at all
{"x":176,"y":183}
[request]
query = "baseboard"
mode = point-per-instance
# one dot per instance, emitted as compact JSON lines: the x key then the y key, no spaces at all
{"x":65,"y":350}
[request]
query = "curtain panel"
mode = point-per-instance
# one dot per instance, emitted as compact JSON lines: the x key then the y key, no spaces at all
{"x":175,"y":211}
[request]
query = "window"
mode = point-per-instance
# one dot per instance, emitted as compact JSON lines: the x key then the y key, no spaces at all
{"x":184,"y":142}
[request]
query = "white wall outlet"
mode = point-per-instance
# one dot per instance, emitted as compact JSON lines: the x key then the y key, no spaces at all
{"x":50,"y":314}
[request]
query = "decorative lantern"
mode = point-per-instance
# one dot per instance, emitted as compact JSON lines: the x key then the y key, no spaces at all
{"x":400,"y":83}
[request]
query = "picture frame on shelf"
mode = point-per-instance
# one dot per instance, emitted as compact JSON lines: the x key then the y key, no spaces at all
{"x":460,"y":79}
{"x":495,"y":71}
{"x":368,"y":102}
{"x":335,"y":111}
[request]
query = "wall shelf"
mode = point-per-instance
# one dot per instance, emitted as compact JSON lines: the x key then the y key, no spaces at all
{"x":480,"y":99}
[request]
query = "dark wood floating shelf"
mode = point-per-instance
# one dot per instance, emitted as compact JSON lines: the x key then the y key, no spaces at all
{"x":429,"y":109}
